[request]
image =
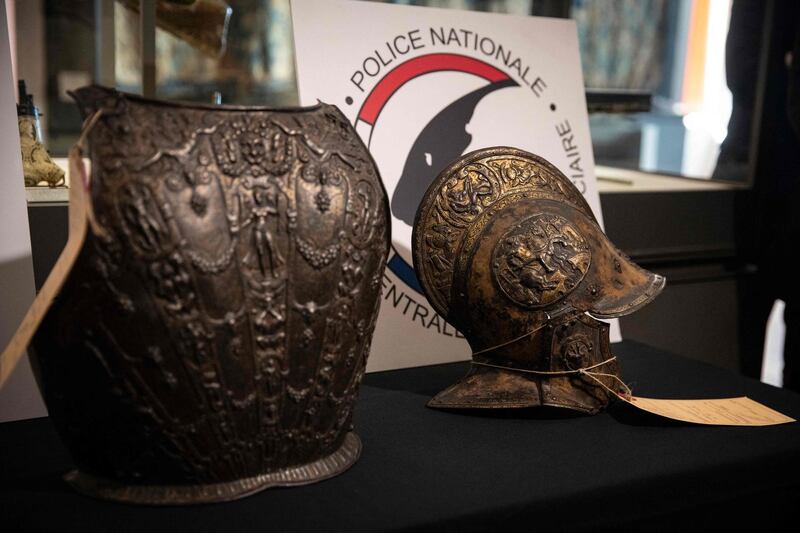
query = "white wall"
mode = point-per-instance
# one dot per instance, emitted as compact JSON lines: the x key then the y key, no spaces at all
{"x":19,"y":398}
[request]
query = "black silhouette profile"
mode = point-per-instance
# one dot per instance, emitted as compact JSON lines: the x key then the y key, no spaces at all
{"x":441,"y":141}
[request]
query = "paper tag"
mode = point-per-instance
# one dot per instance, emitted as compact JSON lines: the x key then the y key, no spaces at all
{"x":740,"y":411}
{"x":78,"y":221}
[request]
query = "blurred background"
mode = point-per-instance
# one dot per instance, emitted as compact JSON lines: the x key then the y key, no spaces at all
{"x":671,"y":52}
{"x":688,"y":113}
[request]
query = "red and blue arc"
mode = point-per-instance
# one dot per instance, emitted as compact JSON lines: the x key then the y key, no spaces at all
{"x":383,"y":91}
{"x":390,"y":84}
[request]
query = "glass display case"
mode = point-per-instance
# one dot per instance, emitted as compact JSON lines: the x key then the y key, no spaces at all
{"x":654,"y":69}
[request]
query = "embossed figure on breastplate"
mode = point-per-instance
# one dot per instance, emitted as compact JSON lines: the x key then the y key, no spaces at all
{"x":213,"y":344}
{"x":509,"y":252}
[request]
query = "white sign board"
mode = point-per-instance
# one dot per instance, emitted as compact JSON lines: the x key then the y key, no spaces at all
{"x":422,"y":87}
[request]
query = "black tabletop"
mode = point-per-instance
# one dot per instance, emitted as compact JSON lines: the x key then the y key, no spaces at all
{"x":528,"y":470}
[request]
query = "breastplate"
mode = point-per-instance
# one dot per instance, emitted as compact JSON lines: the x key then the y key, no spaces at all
{"x":212,"y":343}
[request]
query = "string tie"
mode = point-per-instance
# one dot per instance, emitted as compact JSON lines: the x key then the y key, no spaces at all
{"x":585,"y":371}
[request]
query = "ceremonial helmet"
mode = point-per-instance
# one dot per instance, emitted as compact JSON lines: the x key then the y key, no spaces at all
{"x":509,"y":252}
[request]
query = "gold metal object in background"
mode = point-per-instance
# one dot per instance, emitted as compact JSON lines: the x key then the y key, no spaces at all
{"x":509,"y":252}
{"x":201,"y":23}
{"x":37,"y":167}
